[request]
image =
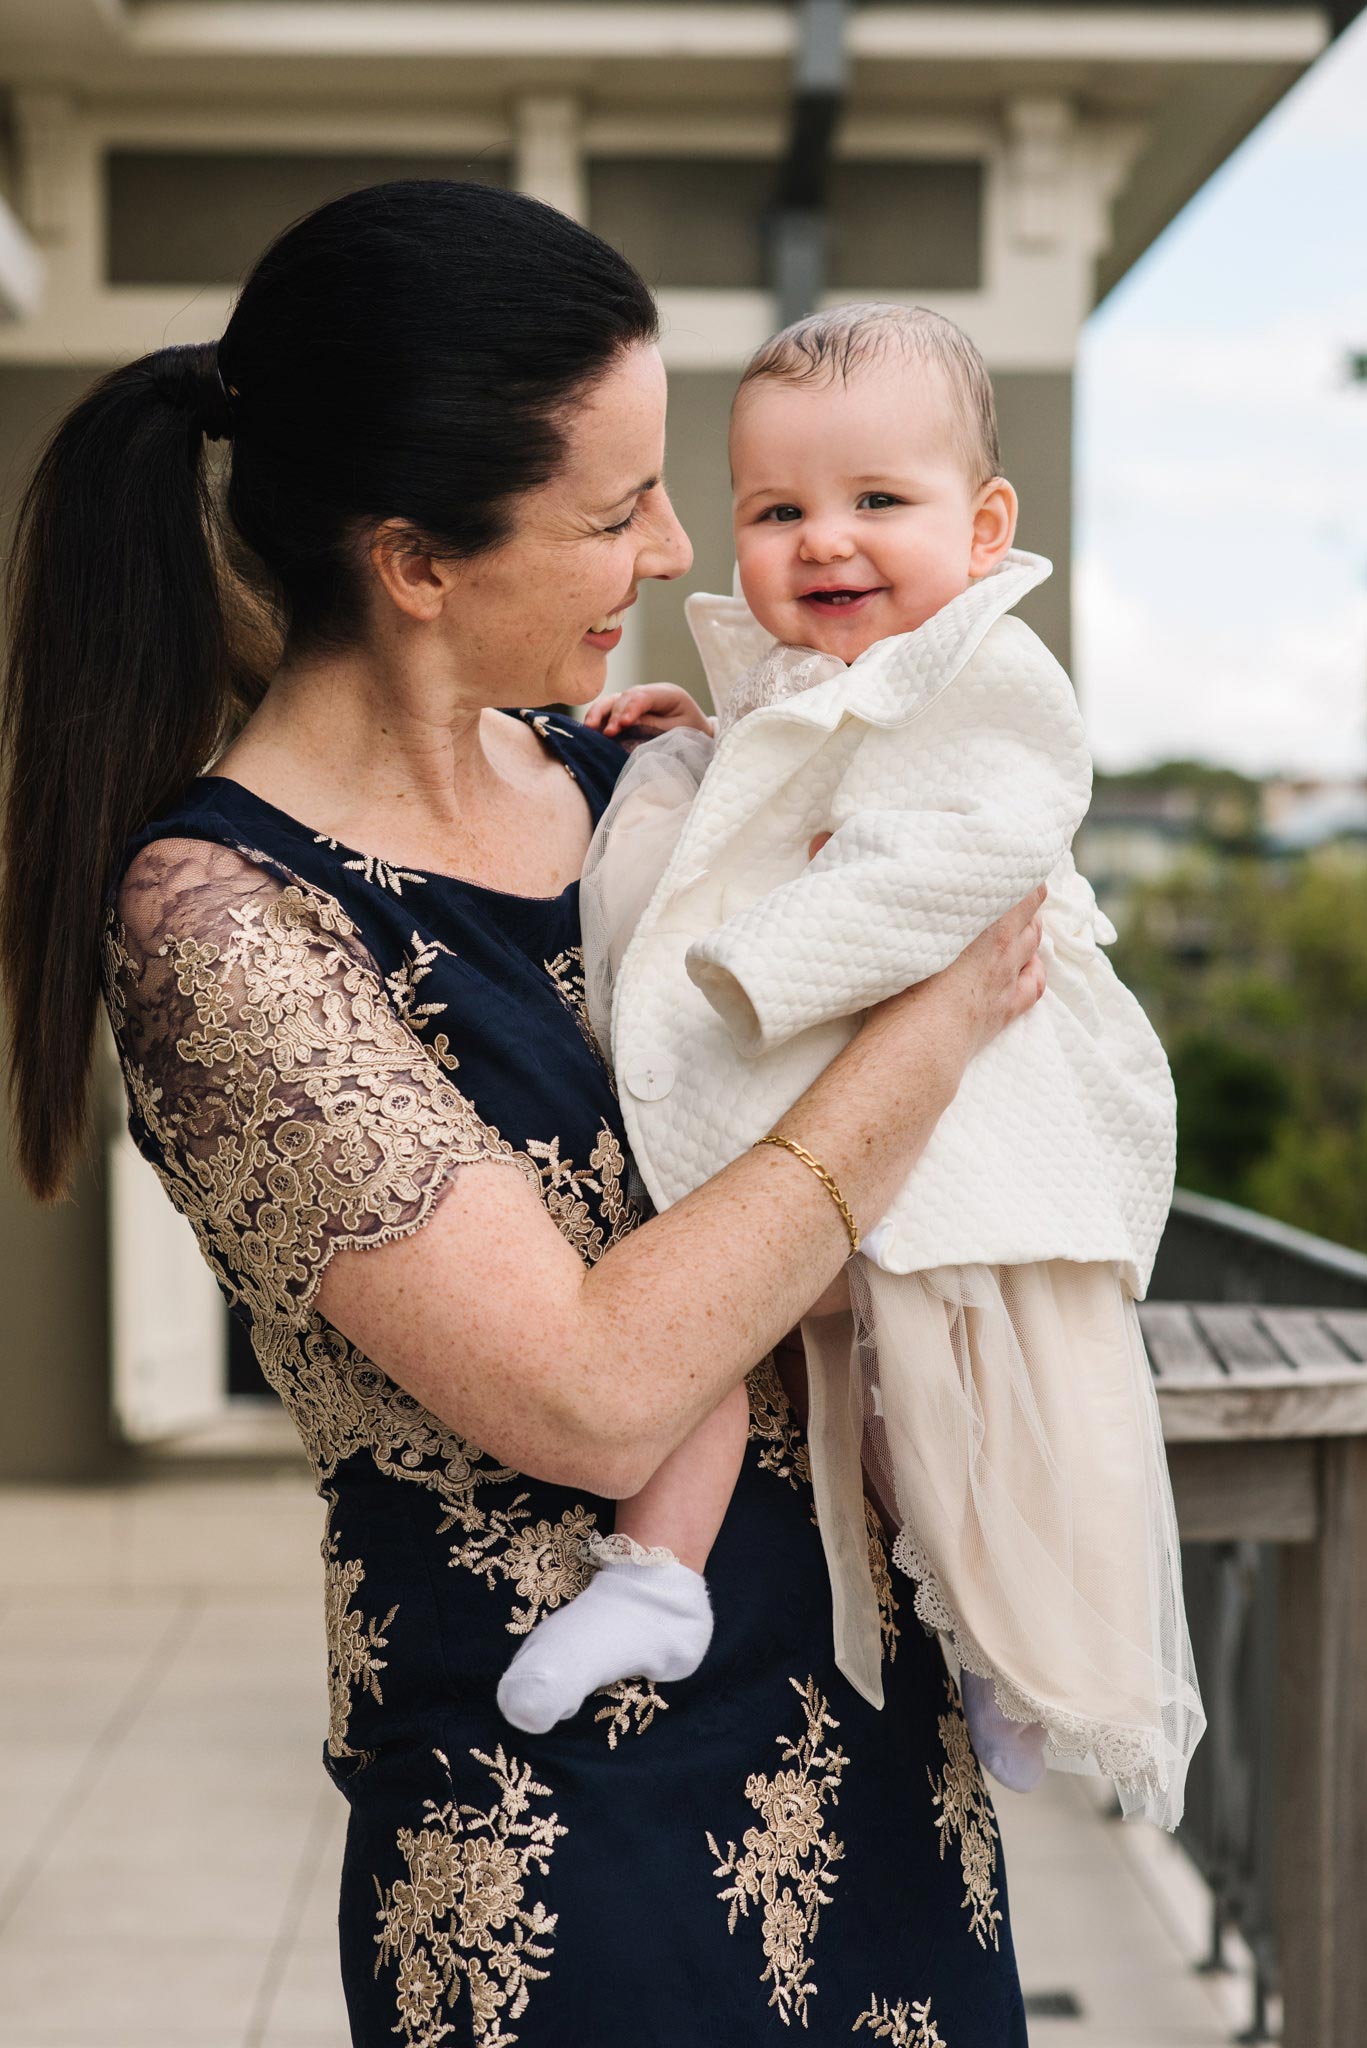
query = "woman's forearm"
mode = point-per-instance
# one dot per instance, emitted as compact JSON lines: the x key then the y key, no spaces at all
{"x":656,"y":1344}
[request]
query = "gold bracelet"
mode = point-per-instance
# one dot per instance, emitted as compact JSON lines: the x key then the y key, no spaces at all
{"x":827,"y":1182}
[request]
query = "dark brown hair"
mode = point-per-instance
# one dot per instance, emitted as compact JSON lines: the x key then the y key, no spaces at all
{"x":409,"y":352}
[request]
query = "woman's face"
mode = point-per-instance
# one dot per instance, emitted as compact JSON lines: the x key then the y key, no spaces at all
{"x":534,"y":620}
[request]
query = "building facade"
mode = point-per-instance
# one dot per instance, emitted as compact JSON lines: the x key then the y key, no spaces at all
{"x":1005,"y":164}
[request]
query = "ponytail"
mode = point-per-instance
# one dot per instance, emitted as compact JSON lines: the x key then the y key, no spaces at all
{"x":119,"y":688}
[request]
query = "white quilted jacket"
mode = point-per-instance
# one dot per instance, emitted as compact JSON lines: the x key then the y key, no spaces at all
{"x":950,"y":766}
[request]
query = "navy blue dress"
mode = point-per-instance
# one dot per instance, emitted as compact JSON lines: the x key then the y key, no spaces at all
{"x":314,"y":1043}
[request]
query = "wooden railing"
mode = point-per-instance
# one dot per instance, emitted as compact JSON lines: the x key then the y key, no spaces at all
{"x":1258,"y":1339}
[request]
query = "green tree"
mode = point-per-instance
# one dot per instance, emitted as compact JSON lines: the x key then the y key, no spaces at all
{"x":1232,"y":1102}
{"x":1254,"y":972}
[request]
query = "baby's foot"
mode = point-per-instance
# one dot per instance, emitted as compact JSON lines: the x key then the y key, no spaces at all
{"x":1013,"y":1751}
{"x":632,"y":1620}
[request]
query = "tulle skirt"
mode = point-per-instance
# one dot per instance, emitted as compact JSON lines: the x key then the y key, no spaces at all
{"x":1010,"y":1424}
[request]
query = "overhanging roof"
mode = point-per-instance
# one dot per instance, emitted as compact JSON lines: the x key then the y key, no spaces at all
{"x":1198,"y":77}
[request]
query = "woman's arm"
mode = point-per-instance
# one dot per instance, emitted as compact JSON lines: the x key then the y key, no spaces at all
{"x":589,"y":1378}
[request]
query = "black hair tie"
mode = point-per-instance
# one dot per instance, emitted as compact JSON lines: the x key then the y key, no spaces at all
{"x":190,"y":380}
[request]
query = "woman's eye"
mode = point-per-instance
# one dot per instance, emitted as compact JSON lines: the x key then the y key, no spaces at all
{"x":878,"y":501}
{"x":623,"y":524}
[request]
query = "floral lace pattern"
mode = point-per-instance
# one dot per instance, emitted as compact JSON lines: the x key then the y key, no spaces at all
{"x":545,"y":1562}
{"x":787,"y":1864}
{"x":462,"y":1918}
{"x":631,"y":1706}
{"x":566,"y":972}
{"x":964,"y":1809}
{"x":353,"y":1645}
{"x":293,"y":1113}
{"x":905,"y":2025}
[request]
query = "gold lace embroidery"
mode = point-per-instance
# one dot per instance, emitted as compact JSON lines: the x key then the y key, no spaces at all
{"x":787,"y":1864}
{"x":904,"y":2025}
{"x":321,"y":1122}
{"x":544,"y":730}
{"x":880,"y":1571}
{"x":774,"y":1426}
{"x":545,"y":1562}
{"x":462,"y":1917}
{"x":403,"y":987}
{"x":382,"y":874}
{"x":353,"y":1644}
{"x":564,"y":1186}
{"x":632,"y":1704}
{"x":966,"y":1811}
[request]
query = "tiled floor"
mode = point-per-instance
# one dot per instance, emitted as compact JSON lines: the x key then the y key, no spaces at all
{"x":169,"y":1845}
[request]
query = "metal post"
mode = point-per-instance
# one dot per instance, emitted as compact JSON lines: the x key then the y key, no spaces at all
{"x":796,"y":228}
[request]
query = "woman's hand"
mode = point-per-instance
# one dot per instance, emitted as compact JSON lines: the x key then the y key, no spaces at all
{"x":994,"y":980}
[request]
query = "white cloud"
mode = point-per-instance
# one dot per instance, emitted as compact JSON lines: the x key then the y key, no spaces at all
{"x":1218,"y":690}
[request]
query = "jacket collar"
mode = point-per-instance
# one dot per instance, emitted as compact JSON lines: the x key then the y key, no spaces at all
{"x":891,"y":680}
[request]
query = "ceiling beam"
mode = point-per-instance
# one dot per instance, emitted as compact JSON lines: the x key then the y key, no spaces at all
{"x":513,"y":28}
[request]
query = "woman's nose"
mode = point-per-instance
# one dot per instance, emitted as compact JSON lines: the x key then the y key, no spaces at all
{"x":667,"y":552}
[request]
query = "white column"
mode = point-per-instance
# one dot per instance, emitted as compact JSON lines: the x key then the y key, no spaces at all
{"x":548,"y":152}
{"x":60,"y":190}
{"x":1040,"y":133}
{"x":21,"y":269}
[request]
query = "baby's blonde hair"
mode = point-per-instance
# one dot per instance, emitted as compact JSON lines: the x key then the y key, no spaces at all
{"x":836,"y":343}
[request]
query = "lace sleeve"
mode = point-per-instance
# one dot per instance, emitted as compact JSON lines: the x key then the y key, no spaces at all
{"x":288,"y":1110}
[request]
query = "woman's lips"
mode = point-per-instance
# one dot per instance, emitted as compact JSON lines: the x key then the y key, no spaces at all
{"x":608,"y":632}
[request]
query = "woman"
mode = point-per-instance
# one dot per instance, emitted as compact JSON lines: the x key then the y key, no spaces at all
{"x":341,"y":966}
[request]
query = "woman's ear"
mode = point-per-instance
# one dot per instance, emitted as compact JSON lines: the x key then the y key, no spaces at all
{"x":994,"y":525}
{"x":417,"y":584}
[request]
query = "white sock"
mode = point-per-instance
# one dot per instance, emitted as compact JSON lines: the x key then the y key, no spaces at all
{"x":1013,"y":1751}
{"x":631,"y":1621}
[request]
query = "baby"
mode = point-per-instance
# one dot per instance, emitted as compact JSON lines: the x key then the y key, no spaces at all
{"x":930,"y":770}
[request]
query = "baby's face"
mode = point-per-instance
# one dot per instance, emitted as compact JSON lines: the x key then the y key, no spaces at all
{"x":854,"y":511}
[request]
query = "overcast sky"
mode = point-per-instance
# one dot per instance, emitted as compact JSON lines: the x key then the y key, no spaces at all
{"x":1221,"y":569}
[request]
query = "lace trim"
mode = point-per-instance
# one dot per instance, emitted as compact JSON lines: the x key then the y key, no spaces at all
{"x":1131,"y":1758}
{"x":781,"y":673}
{"x":619,"y":1549}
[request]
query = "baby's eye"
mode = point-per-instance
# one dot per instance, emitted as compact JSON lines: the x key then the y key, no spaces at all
{"x":784,"y":514}
{"x":878,"y":501}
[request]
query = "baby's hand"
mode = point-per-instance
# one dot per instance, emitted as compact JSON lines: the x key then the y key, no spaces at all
{"x":645,"y":712}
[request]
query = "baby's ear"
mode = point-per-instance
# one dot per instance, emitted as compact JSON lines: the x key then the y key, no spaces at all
{"x":994,"y":525}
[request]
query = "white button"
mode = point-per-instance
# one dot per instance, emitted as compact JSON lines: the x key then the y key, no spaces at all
{"x":650,"y":1079}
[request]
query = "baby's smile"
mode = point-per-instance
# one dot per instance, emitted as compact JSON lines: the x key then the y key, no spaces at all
{"x":841,"y":596}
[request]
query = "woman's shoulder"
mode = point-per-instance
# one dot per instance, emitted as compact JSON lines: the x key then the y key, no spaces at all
{"x":594,"y":760}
